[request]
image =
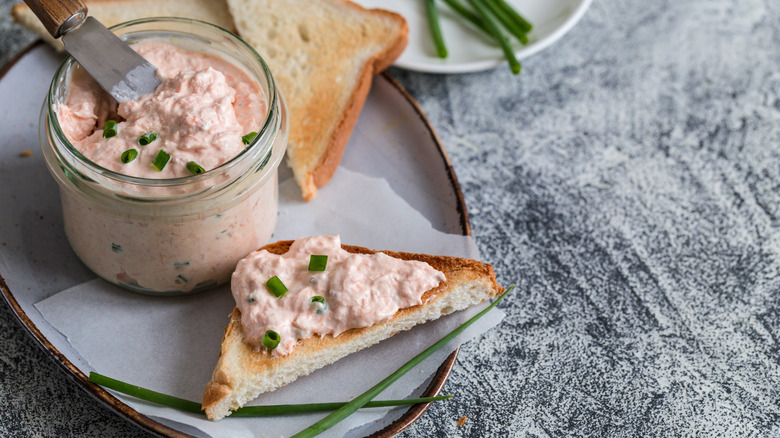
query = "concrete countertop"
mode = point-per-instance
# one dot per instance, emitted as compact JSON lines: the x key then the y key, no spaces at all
{"x":628,"y":182}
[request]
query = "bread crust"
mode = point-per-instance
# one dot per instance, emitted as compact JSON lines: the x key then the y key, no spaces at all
{"x":239,"y":362}
{"x":329,"y":161}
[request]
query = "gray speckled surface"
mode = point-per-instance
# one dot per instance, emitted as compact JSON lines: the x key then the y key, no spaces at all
{"x":628,"y":182}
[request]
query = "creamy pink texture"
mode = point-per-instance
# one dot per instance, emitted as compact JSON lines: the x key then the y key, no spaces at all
{"x":200,"y":112}
{"x":360,"y":290}
{"x":165,"y":256}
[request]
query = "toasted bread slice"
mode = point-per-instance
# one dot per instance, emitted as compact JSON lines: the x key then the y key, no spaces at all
{"x":323,"y":54}
{"x":111,"y":12}
{"x":242,"y":372}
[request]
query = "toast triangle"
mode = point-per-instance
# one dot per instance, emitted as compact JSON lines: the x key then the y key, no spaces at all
{"x":243,"y":372}
{"x":323,"y":54}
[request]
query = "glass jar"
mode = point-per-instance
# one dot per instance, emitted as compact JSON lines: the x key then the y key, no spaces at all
{"x":170,"y":236}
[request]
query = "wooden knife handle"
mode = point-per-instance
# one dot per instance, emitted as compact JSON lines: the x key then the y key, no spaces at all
{"x":56,"y":13}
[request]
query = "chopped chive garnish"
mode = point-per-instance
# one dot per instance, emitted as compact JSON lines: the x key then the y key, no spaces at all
{"x":276,"y":286}
{"x":318,"y":304}
{"x":116,"y":248}
{"x":179,"y":265}
{"x":433,"y":25}
{"x":361,"y":400}
{"x":109,"y":129}
{"x":246,"y":411}
{"x":249,"y":137}
{"x":182,"y":278}
{"x":271,"y":339}
{"x":318,"y":262}
{"x":195,"y":168}
{"x":147,"y":138}
{"x":160,"y":160}
{"x":128,"y":156}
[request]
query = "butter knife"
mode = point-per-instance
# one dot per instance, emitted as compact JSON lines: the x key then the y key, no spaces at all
{"x":121,"y":71}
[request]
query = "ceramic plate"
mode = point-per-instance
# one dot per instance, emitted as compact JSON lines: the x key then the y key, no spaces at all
{"x":469,"y":50}
{"x":36,"y":261}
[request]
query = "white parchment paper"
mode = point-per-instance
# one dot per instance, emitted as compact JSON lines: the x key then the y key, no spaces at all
{"x":170,"y":344}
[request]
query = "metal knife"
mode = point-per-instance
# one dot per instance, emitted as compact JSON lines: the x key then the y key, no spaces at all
{"x":121,"y":71}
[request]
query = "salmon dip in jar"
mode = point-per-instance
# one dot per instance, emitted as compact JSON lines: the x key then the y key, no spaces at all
{"x":165,"y":194}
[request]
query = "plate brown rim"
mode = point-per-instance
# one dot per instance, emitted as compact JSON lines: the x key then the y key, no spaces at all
{"x":147,"y":423}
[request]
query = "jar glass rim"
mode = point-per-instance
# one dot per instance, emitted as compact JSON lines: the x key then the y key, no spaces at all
{"x":256,"y":142}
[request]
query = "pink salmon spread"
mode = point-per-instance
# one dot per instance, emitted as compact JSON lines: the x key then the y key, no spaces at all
{"x":359,"y":290}
{"x":200,"y":112}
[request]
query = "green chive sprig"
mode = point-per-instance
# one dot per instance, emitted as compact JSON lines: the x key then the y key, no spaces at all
{"x":146,"y":138}
{"x":505,"y":19}
{"x":361,"y":400}
{"x":275,"y":285}
{"x":515,"y":16}
{"x":160,"y":160}
{"x":145,"y":394}
{"x":515,"y":23}
{"x":128,"y":156}
{"x":249,"y":137}
{"x":318,"y":262}
{"x":274,"y":410}
{"x":195,"y":168}
{"x":110,"y":129}
{"x":271,"y":339}
{"x":484,"y":14}
{"x":433,"y":24}
{"x":466,"y":13}
{"x":470,"y":16}
{"x":246,"y":411}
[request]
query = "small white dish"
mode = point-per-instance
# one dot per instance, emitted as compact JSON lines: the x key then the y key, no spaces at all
{"x":469,"y":49}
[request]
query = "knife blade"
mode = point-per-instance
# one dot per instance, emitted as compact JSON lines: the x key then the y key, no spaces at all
{"x":119,"y":69}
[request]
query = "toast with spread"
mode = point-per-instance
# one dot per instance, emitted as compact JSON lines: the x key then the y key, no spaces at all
{"x":244,"y":371}
{"x":322,"y":53}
